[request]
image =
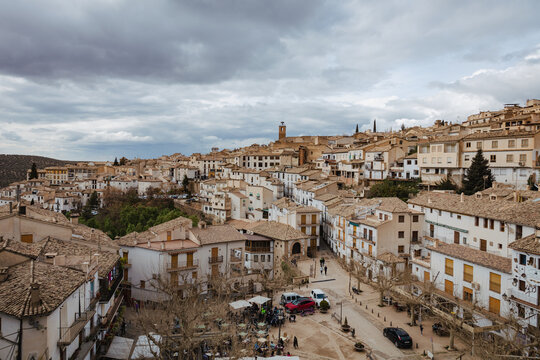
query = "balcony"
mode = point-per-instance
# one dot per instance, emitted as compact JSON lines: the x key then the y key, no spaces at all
{"x":70,"y":333}
{"x":257,"y":249}
{"x":215,"y":259}
{"x":184,"y":265}
{"x":106,"y":320}
{"x":106,"y":292}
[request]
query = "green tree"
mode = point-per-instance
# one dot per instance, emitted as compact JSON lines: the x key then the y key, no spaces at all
{"x":389,"y":188}
{"x":356,"y":129}
{"x":446,"y":184}
{"x":478,"y":176}
{"x":115,"y":162}
{"x":33,"y":172}
{"x":185,"y":184}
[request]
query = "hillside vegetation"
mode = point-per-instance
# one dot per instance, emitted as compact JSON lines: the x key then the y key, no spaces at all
{"x":13,"y":167}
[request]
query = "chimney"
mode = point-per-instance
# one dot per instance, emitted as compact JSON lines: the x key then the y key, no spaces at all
{"x":35,"y":299}
{"x":59,"y":260}
{"x":74,"y":219}
{"x":202,"y":225}
{"x":429,"y":200}
{"x":86,"y":267}
{"x":462,"y":197}
{"x":148,"y":243}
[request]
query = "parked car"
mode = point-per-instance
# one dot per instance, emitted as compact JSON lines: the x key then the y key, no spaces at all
{"x":318,"y":295}
{"x":398,"y":336}
{"x":300,"y":304}
{"x":288,"y":297}
{"x":440,"y":330}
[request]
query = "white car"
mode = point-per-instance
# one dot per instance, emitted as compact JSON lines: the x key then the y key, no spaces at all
{"x":318,"y":295}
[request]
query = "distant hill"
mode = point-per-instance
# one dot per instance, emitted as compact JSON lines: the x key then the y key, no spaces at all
{"x":13,"y":167}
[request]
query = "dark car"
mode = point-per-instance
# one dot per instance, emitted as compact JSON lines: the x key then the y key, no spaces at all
{"x":300,"y":305}
{"x":398,"y":336}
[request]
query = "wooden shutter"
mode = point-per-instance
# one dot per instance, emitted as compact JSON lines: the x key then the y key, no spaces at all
{"x":483,"y":245}
{"x":303,"y":219}
{"x":313,"y":219}
{"x":426,"y":276}
{"x":468,"y":273}
{"x":449,"y":267}
{"x":494,"y":305}
{"x":174,"y":261}
{"x":456,"y":237}
{"x":495,"y":282}
{"x":189,"y":259}
{"x":449,"y":287}
{"x":27,"y":238}
{"x":467,"y":294}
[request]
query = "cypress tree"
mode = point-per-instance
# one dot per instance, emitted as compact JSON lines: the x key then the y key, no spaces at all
{"x":33,"y":172}
{"x":356,"y":132}
{"x":478,"y":177}
{"x":115,"y":162}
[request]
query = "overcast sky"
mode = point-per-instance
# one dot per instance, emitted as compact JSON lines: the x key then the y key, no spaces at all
{"x":82,"y":80}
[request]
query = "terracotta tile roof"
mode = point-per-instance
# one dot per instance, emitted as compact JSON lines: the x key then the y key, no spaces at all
{"x":390,"y":258}
{"x":217,"y":234}
{"x":523,"y":213}
{"x":475,"y":256}
{"x":286,"y":203}
{"x":31,"y":250}
{"x":279,"y":231}
{"x":150,"y":234}
{"x":56,"y":283}
{"x":499,"y":134}
{"x":529,"y":244}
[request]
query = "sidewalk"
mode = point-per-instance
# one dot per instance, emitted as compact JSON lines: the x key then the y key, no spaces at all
{"x":354,"y":308}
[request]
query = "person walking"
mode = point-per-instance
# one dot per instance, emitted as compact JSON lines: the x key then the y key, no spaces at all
{"x":325,"y":270}
{"x":322,"y":269}
{"x":421,"y":329}
{"x":295,"y":343}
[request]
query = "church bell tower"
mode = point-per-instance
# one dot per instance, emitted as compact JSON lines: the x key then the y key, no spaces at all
{"x":282,"y":131}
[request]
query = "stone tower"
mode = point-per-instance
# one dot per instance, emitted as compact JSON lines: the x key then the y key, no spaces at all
{"x":282,"y":131}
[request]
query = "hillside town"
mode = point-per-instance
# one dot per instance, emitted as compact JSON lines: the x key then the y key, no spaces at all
{"x":275,"y":218}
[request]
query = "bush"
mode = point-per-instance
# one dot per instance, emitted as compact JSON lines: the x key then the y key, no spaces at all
{"x":324,"y":305}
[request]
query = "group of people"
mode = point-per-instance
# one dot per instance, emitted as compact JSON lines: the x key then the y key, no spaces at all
{"x":323,"y":266}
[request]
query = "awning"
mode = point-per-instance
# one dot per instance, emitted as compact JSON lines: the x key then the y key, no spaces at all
{"x":240,"y":304}
{"x":260,"y":300}
{"x":120,"y":348}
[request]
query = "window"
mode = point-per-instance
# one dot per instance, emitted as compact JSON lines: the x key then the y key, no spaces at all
{"x":522,"y":259}
{"x":509,"y":158}
{"x":303,"y":229}
{"x":495,"y":282}
{"x":478,"y":144}
{"x":263,"y":258}
{"x":414,"y":236}
{"x":522,"y":285}
{"x":485,"y":223}
{"x":313,"y":230}
{"x":459,"y":217}
{"x":401,"y":234}
{"x":401,"y":218}
{"x":493,"y":158}
{"x":415,"y":218}
{"x":476,"y":221}
{"x":449,"y":267}
{"x":194,"y":275}
{"x":511,"y":143}
{"x":494,"y":305}
{"x":501,"y":227}
{"x":303,"y":219}
{"x":519,"y":231}
{"x":313,"y":219}
{"x":467,"y":157}
{"x":143,"y":284}
{"x":524,"y":142}
{"x":523,"y":158}
{"x":491,"y":224}
{"x":468,"y":144}
{"x":255,"y":258}
{"x":521,"y":311}
{"x":494,"y":144}
{"x":401,"y":249}
{"x":468,"y":273}
{"x":467,"y":294}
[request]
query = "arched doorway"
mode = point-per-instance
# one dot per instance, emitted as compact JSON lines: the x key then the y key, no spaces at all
{"x":296,"y":248}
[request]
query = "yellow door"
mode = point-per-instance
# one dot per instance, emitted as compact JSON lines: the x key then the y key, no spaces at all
{"x":189,"y":259}
{"x":426,"y":276}
{"x":370,"y":249}
{"x":494,"y":305}
{"x":174,"y":261}
{"x":449,"y":287}
{"x":169,"y":235}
